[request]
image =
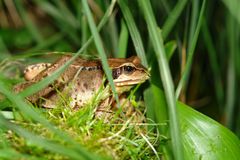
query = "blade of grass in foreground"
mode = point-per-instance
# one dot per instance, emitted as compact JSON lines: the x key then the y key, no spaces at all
{"x":43,"y":83}
{"x":31,"y":113}
{"x":192,"y":46}
{"x":100,"y":49}
{"x":46,"y":144}
{"x":9,"y":153}
{"x":158,"y":46}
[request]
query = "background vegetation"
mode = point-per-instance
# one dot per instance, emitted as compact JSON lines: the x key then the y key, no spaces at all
{"x":191,"y":48}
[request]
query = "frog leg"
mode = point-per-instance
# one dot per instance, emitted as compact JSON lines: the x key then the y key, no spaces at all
{"x":29,"y":73}
{"x":41,"y":73}
{"x":104,"y":111}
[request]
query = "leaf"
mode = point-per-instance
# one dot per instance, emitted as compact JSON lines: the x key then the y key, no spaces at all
{"x":204,"y":138}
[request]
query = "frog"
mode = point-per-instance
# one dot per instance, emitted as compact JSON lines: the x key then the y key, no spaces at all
{"x":82,"y":80}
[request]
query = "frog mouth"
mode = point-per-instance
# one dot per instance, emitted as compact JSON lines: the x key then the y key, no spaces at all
{"x":129,"y":82}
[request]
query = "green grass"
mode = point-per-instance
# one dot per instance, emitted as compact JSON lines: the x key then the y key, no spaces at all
{"x":91,"y":133}
{"x":190,"y":48}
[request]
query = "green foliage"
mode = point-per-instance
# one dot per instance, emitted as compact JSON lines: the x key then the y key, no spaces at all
{"x":204,"y":138}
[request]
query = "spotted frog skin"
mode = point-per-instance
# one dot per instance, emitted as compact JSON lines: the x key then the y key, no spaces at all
{"x":82,"y":80}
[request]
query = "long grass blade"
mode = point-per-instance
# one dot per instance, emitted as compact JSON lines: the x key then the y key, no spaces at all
{"x":158,"y":46}
{"x":231,"y":72}
{"x":57,"y":148}
{"x":9,"y":153}
{"x":173,"y":17}
{"x":123,"y":41}
{"x":37,"y":87}
{"x":135,"y":35}
{"x":100,"y":49}
{"x":193,"y":21}
{"x":28,"y":111}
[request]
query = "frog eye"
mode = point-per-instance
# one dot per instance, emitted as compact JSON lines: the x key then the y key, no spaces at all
{"x":128,"y":69}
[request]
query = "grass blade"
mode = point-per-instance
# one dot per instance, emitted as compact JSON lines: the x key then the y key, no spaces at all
{"x":64,"y":24}
{"x":193,"y":21}
{"x":28,"y":110}
{"x":31,"y":113}
{"x":9,"y":153}
{"x":100,"y":49}
{"x":233,"y":6}
{"x":123,"y":41}
{"x":30,"y":25}
{"x":36,"y":87}
{"x":215,"y":67}
{"x":3,"y":49}
{"x":67,"y":14}
{"x":173,"y":17}
{"x":158,"y":46}
{"x":57,"y":148}
{"x":170,"y":47}
{"x":231,"y":72}
{"x":136,"y":38}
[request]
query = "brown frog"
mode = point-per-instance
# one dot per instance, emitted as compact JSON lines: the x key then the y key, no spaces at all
{"x":82,"y":80}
